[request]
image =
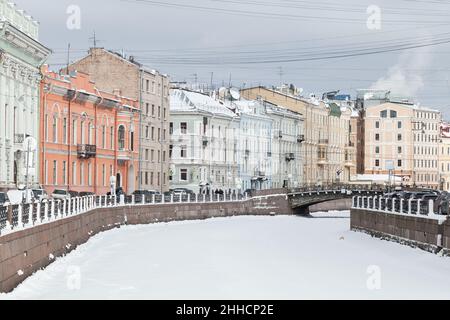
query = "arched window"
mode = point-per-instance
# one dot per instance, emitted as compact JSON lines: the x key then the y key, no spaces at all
{"x":121,"y":137}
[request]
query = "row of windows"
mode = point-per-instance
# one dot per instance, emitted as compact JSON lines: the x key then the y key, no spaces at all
{"x":426,"y":150}
{"x":152,"y":112}
{"x":425,"y":163}
{"x":86,"y":136}
{"x":82,"y":176}
{"x":148,"y":178}
{"x":152,"y":155}
{"x":399,"y":124}
{"x":150,"y":133}
{"x":399,"y":137}
{"x":399,"y":163}
{"x":399,"y":149}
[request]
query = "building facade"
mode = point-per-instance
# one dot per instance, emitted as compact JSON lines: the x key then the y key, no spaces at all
{"x":254,"y":145}
{"x":204,"y":143}
{"x":112,"y":72}
{"x":444,"y":157}
{"x":89,"y":138}
{"x":403,"y":139}
{"x":326,"y":133}
{"x":21,"y":56}
{"x":286,"y":149}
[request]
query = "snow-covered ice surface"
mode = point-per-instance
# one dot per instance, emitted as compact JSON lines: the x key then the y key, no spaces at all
{"x":281,"y":257}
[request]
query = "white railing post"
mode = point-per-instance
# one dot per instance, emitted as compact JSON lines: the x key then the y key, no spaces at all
{"x":380,"y":202}
{"x":196,"y":198}
{"x":46,"y":211}
{"x":246,"y":196}
{"x":30,"y":214}
{"x":163,"y":198}
{"x":52,"y":209}
{"x":115,"y":200}
{"x":353,"y":202}
{"x":69,"y":207}
{"x":122,"y":199}
{"x":153,"y":198}
{"x":419,"y":202}
{"x":189,"y":198}
{"x":431,"y":207}
{"x":20,"y":216}
{"x":204,"y":198}
{"x":171,"y":198}
{"x":64,"y":207}
{"x":38,"y":213}
{"x":375,"y":200}
{"x":58,"y":212}
{"x":401,"y":205}
{"x":132,"y":199}
{"x":409,"y":205}
{"x":393,"y":205}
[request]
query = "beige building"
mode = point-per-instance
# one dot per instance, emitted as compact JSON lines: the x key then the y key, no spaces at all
{"x":403,"y":139}
{"x":444,"y":157}
{"x":328,"y":155}
{"x":112,"y":72}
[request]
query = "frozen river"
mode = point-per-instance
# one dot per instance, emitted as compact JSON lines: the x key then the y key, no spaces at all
{"x":241,"y":258}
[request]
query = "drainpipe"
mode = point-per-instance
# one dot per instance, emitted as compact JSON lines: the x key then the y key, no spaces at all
{"x":69,"y":146}
{"x":95,"y":139}
{"x":42,"y":113}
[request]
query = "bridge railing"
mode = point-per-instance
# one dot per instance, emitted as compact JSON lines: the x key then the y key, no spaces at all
{"x":21,"y":216}
{"x":415,"y":207}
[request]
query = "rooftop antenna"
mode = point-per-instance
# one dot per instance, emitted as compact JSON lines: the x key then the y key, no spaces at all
{"x":281,"y":73}
{"x":94,"y":40}
{"x":68,"y":59}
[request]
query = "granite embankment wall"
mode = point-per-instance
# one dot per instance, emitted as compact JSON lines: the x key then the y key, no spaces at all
{"x":334,"y":205}
{"x":24,"y":252}
{"x":427,"y":233}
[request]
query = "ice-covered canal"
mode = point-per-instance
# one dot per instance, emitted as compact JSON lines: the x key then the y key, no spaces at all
{"x":241,"y":258}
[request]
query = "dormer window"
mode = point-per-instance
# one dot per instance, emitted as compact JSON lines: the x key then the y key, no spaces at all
{"x":383,"y":114}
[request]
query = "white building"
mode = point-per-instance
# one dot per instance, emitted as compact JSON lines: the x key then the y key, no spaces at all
{"x":204,"y":143}
{"x":286,"y":150}
{"x":255,"y":145}
{"x":21,"y":56}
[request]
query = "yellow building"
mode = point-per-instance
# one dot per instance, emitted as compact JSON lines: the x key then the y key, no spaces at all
{"x":328,"y":154}
{"x":403,"y":139}
{"x":444,"y":157}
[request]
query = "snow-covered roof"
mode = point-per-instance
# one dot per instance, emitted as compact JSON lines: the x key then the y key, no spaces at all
{"x":183,"y":100}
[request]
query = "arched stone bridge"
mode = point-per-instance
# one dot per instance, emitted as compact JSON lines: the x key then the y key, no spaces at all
{"x":301,"y":199}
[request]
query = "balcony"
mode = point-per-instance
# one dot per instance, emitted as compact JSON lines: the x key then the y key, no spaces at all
{"x":323,"y":142}
{"x":290,"y":156}
{"x":260,"y":174}
{"x":86,"y":151}
{"x":123,"y":155}
{"x":300,"y":138}
{"x":19,"y":138}
{"x":280,"y":134}
{"x":247,"y":153}
{"x":322,"y":158}
{"x":205,"y":141}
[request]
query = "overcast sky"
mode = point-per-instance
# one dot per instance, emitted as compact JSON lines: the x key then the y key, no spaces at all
{"x":192,"y":39}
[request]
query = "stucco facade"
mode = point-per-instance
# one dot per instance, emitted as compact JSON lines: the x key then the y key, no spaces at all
{"x":112,"y":72}
{"x":204,"y":143}
{"x":21,"y":55}
{"x":326,"y":131}
{"x":404,"y":138}
{"x":87,"y":136}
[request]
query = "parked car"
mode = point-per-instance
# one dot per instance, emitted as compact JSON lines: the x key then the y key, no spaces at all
{"x":40,"y":194}
{"x":60,"y":194}
{"x":84,"y":194}
{"x":4,"y":200}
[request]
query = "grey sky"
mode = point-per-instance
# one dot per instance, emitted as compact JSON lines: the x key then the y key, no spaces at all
{"x":171,"y":38}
